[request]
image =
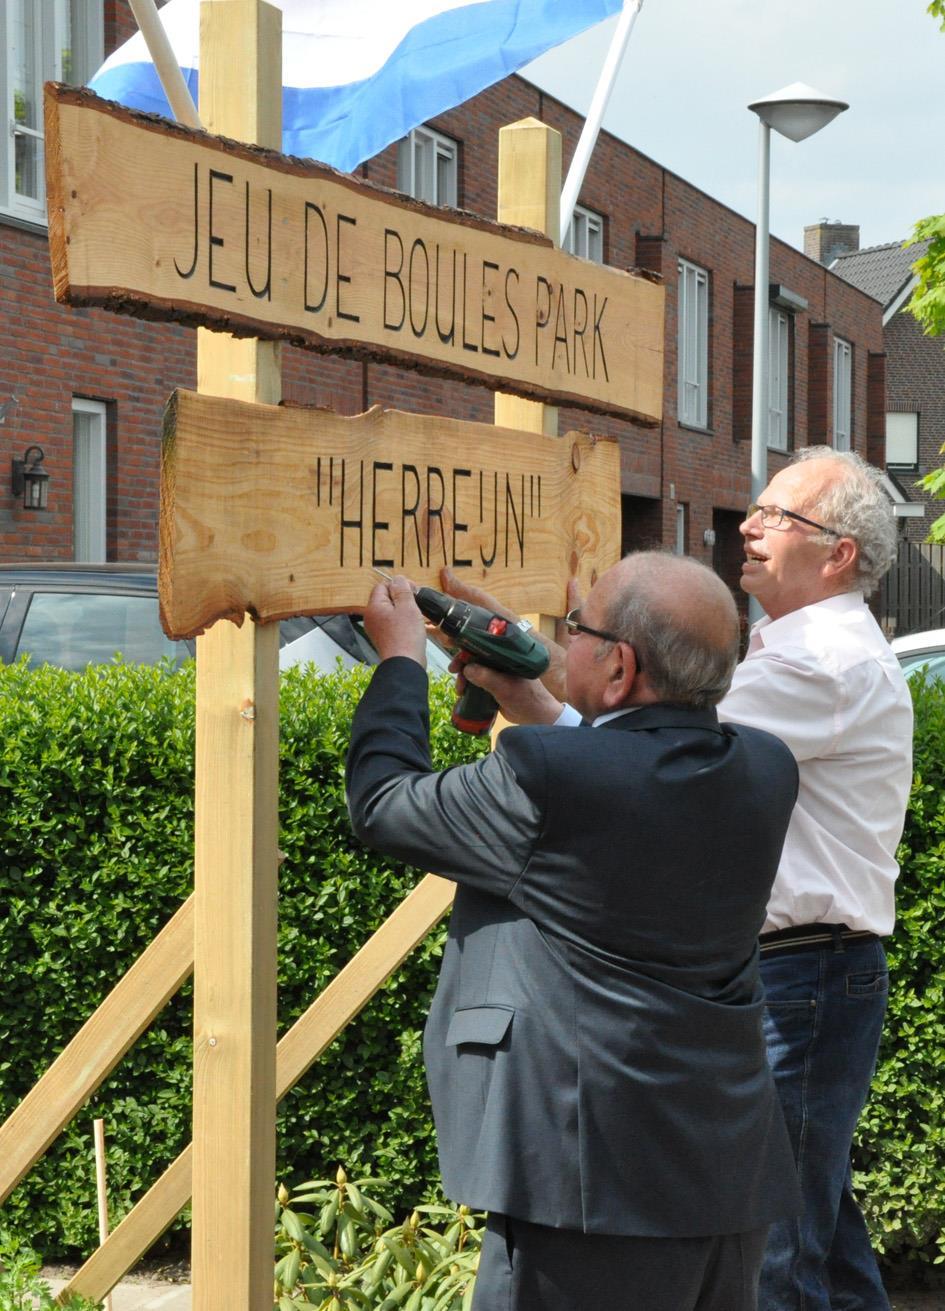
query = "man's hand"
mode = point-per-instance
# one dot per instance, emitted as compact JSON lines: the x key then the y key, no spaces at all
{"x":393,"y":622}
{"x":554,"y":676}
{"x":521,"y":700}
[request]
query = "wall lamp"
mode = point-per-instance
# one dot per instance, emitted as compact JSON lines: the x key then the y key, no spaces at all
{"x":30,"y":479}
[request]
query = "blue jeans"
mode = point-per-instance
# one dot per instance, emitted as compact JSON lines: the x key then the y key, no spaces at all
{"x":823,"y":1020}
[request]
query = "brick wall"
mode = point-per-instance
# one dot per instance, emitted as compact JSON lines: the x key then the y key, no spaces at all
{"x":875,"y":409}
{"x":50,"y":354}
{"x":915,"y":383}
{"x":119,"y":23}
{"x":652,"y":218}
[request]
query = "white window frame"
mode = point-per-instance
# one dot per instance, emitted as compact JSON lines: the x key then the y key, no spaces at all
{"x":693,"y":345}
{"x":89,"y":480}
{"x":842,"y":394}
{"x":585,"y":234}
{"x":682,"y":524}
{"x":428,"y":167}
{"x":779,"y":333}
{"x":902,"y":429}
{"x":49,"y":23}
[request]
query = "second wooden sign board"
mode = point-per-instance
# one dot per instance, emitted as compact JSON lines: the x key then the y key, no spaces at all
{"x":276,"y":511}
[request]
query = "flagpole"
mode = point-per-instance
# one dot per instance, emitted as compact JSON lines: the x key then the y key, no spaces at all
{"x":595,"y":115}
{"x":165,"y":62}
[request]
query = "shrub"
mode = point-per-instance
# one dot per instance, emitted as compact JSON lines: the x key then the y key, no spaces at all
{"x":96,"y":790}
{"x":22,"y":1287}
{"x":338,"y":1250}
{"x":900,"y":1154}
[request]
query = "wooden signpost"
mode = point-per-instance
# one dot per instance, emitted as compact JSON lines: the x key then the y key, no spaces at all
{"x":269,"y":511}
{"x":236,"y":793}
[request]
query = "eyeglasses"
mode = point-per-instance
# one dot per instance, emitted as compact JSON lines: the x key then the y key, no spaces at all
{"x":572,"y":622}
{"x":773,"y":516}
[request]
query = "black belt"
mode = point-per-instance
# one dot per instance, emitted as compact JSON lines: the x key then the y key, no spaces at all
{"x":810,"y":937}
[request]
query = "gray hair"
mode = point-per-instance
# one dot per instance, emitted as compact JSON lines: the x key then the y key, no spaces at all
{"x":689,"y":656}
{"x":856,"y":506}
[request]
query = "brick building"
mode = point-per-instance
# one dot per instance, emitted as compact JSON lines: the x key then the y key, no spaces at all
{"x":89,"y":387}
{"x":915,"y":381}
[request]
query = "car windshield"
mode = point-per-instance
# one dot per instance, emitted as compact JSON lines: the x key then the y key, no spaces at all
{"x":74,"y":629}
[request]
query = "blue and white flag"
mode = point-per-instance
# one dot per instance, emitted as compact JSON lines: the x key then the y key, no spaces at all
{"x":359,"y":74}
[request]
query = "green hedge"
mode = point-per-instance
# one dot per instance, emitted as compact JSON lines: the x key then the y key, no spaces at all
{"x":96,"y":790}
{"x":900,"y":1158}
{"x":96,"y":787}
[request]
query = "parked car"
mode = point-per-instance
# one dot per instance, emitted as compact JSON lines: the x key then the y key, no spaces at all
{"x":922,"y":651}
{"x":75,"y":615}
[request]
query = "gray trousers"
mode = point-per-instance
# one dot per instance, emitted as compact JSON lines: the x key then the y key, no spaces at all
{"x":527,"y":1267}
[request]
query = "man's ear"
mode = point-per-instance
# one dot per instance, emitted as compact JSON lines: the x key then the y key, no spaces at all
{"x":621,"y":675}
{"x":842,"y":559}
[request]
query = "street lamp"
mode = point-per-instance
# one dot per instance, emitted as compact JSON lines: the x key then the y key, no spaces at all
{"x":797,"y":112}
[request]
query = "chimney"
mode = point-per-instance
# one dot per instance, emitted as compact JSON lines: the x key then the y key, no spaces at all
{"x":825,"y":240}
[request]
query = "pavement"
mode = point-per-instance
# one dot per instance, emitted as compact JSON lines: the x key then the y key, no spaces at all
{"x":140,"y":1294}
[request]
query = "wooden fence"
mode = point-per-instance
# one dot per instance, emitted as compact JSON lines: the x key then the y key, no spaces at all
{"x":912,"y":595}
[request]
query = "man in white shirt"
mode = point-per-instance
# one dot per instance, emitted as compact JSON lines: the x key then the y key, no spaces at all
{"x":821,"y":676}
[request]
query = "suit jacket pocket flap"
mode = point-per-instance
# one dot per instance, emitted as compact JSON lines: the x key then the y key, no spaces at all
{"x":485,"y":1024}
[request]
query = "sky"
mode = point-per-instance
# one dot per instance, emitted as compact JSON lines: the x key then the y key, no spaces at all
{"x":692,"y":68}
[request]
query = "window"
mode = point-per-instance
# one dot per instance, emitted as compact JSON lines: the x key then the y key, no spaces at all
{"x":842,"y":394}
{"x":693,"y":328}
{"x":88,"y":480}
{"x":428,"y":167}
{"x":42,"y":40}
{"x":779,"y":328}
{"x":682,"y":528}
{"x":585,"y":235}
{"x":74,"y":629}
{"x":902,"y":440}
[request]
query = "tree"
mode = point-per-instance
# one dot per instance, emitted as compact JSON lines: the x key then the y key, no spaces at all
{"x":928,"y":301}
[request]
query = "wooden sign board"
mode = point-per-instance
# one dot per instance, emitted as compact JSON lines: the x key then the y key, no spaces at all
{"x":150,"y":218}
{"x":277,"y":511}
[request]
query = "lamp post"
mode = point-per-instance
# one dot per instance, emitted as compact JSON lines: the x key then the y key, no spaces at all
{"x":797,"y":112}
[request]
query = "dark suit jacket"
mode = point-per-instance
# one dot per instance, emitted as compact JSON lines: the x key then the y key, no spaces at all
{"x":594,"y":1050}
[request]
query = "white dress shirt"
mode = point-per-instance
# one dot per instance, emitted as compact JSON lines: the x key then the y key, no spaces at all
{"x":825,"y":681}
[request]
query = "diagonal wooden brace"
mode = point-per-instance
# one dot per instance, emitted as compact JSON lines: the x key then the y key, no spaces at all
{"x":97,"y":1048}
{"x":347,"y":994}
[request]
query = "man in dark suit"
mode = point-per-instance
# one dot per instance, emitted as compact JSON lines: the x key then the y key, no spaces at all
{"x":594,"y":1050}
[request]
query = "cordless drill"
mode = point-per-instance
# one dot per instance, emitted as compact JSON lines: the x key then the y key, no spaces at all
{"x":489,"y":639}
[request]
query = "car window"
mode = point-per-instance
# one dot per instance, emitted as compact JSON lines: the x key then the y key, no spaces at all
{"x":74,"y":629}
{"x":932,"y":662}
{"x":323,"y":640}
{"x":438,"y":660}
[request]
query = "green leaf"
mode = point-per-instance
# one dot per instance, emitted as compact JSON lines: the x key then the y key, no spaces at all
{"x":292,"y":1225}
